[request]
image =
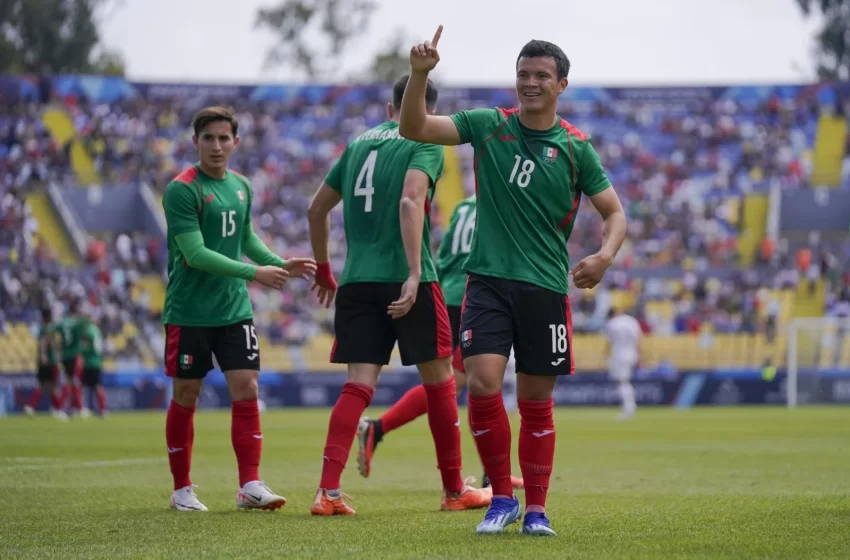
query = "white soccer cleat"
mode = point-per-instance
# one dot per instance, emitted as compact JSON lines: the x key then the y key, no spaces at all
{"x":256,"y":495}
{"x":59,"y":415}
{"x":185,"y":499}
{"x":29,"y":411}
{"x":85,"y":413}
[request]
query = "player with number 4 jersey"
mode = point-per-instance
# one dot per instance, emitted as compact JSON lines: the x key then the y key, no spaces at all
{"x":207,"y":315}
{"x":388,"y":293}
{"x":531,"y":169}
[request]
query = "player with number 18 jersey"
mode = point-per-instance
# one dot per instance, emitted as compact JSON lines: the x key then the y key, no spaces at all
{"x":531,"y":169}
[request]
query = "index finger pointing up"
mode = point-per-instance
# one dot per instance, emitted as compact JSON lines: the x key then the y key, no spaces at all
{"x":437,"y":34}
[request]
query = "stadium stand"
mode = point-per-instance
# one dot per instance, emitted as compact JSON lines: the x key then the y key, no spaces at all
{"x":722,"y":248}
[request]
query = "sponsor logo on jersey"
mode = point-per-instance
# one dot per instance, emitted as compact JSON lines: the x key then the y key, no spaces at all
{"x":209,"y":198}
{"x":507,"y":137}
{"x":241,"y":196}
{"x":550,"y":154}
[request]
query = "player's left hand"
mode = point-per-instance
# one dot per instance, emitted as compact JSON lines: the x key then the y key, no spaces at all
{"x":403,"y":304}
{"x":300,"y":267}
{"x":590,"y":271}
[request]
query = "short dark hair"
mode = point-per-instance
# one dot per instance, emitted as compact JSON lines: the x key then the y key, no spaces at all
{"x":46,"y":315}
{"x":537,"y":49}
{"x":209,"y":115}
{"x":401,"y":84}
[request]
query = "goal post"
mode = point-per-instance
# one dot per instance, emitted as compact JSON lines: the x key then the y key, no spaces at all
{"x":818,"y":360}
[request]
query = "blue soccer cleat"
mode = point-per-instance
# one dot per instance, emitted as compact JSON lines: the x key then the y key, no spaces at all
{"x":502,"y":512}
{"x":537,"y":524}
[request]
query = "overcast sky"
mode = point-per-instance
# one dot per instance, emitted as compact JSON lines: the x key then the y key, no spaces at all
{"x":609,"y":42}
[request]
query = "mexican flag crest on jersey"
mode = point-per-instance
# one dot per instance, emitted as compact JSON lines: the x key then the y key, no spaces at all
{"x":550,"y":154}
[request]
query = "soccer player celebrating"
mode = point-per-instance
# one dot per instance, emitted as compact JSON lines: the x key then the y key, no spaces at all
{"x":388,"y":293}
{"x":453,"y":251}
{"x":208,"y":312}
{"x":623,"y":334}
{"x":91,"y":346}
{"x":48,"y":368}
{"x":531,"y":168}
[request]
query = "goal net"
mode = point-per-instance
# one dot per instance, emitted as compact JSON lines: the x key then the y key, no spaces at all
{"x":818,"y":361}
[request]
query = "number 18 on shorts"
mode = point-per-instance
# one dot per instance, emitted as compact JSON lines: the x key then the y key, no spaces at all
{"x":499,"y":314}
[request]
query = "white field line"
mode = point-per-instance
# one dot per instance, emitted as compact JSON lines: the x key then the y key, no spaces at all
{"x":85,"y":465}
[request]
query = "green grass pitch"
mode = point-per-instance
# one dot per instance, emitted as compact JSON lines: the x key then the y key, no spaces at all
{"x":704,"y":483}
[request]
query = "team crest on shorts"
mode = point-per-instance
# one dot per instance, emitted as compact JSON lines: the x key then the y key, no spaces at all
{"x":466,"y":338}
{"x":186,"y":361}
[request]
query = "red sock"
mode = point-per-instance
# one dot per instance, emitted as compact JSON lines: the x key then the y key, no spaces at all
{"x":492,"y":431}
{"x":76,"y":397}
{"x":247,"y":439}
{"x":63,"y":395}
{"x":35,"y":398}
{"x":179,"y":437}
{"x":56,"y":400}
{"x":342,"y":427}
{"x":445,"y":429}
{"x":411,"y":406}
{"x":101,"y":398}
{"x":536,"y":449}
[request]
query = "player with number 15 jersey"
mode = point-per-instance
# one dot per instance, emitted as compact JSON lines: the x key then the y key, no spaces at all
{"x":208,"y":313}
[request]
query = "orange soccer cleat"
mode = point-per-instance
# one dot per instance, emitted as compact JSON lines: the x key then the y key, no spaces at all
{"x":324,"y":504}
{"x":469,"y":498}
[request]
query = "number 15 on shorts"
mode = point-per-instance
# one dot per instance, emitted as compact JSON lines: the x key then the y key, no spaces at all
{"x":559,"y":341}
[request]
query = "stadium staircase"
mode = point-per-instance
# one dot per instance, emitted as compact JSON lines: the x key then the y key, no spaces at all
{"x":808,"y":302}
{"x":61,"y":127}
{"x":154,"y":286}
{"x":829,"y":150}
{"x":451,"y":190}
{"x":50,"y":228}
{"x":753,"y":228}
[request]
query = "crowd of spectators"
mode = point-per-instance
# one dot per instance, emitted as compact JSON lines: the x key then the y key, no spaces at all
{"x":679,"y":169}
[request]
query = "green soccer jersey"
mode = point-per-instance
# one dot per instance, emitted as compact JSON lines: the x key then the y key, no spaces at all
{"x":221,"y":210}
{"x":91,"y":345}
{"x":528,"y":183}
{"x":370,"y":178}
{"x":454,"y":250}
{"x":69,"y":337}
{"x":47,"y":335}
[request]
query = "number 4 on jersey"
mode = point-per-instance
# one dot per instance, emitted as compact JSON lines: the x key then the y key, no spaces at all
{"x":363,"y":186}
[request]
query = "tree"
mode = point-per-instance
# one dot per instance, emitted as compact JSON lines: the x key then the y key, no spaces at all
{"x":313,"y":36}
{"x":55,"y":37}
{"x":832,"y":53}
{"x":391,"y":62}
{"x":297,"y":23}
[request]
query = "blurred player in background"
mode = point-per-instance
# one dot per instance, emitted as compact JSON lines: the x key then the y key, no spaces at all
{"x":47,"y":370}
{"x":531,"y":169}
{"x":208,"y":315}
{"x":622,"y":335}
{"x":91,"y":350}
{"x":388,"y":293}
{"x":453,"y":251}
{"x":72,"y":363}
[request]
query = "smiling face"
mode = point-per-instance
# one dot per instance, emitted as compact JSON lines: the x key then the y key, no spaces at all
{"x":537,"y":83}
